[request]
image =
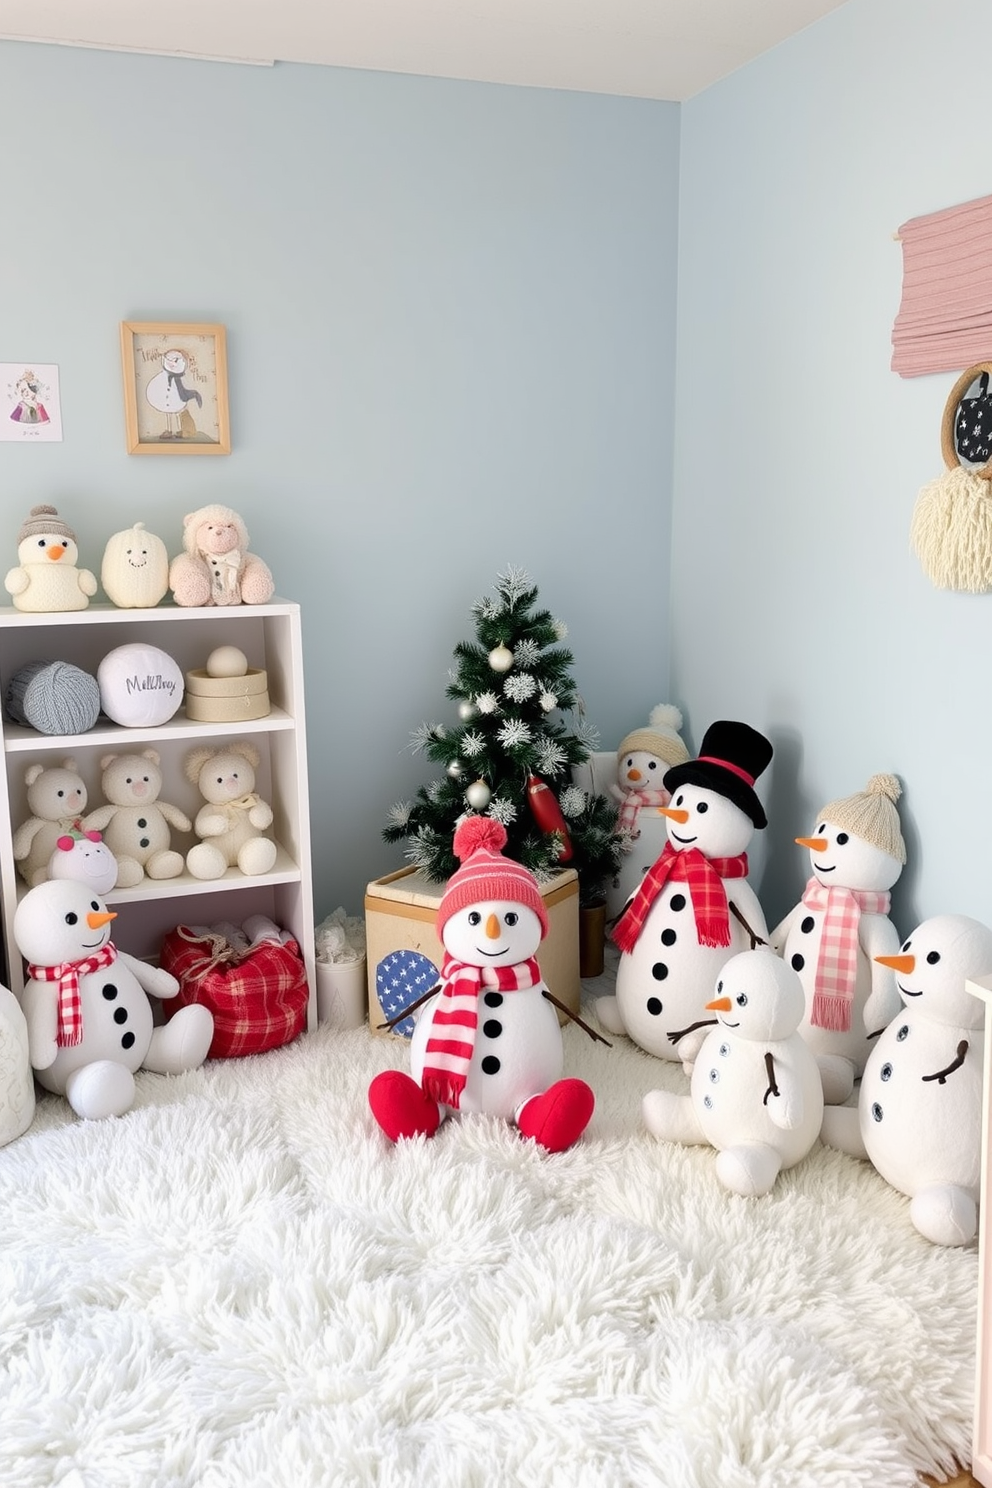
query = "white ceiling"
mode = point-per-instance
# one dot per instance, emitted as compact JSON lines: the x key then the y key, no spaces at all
{"x":665,"y":49}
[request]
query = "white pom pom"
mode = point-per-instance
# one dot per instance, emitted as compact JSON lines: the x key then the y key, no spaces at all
{"x":665,"y":715}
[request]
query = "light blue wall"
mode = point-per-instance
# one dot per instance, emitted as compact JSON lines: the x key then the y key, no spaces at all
{"x":798,"y":604}
{"x":451,"y":314}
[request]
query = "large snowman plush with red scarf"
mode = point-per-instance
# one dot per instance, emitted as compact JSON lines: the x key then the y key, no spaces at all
{"x":840,"y":927}
{"x":90,"y":1024}
{"x":489,"y":1041}
{"x":694,"y":908}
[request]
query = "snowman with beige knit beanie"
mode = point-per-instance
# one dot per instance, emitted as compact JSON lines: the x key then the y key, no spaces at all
{"x":46,"y":578}
{"x":840,"y":927}
{"x":643,"y":756}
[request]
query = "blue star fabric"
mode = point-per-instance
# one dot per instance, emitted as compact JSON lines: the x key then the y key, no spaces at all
{"x":400,"y":978}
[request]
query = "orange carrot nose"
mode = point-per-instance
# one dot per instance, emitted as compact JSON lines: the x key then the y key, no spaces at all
{"x":815,"y":844}
{"x":55,"y":552}
{"x":676,"y":814}
{"x":633,"y":774}
{"x":492,"y":928}
{"x":903,"y":964}
{"x":720,"y":1005}
{"x":95,"y":921}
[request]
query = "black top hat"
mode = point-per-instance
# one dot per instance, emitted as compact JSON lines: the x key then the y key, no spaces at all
{"x":730,"y":760}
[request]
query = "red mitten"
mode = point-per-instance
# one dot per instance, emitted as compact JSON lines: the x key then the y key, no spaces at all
{"x":401,"y":1107}
{"x":557,"y":1118}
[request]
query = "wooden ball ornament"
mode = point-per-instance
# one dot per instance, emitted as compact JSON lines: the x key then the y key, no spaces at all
{"x":501,"y":658}
{"x":478,"y":795}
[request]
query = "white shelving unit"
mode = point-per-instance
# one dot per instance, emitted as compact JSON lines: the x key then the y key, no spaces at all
{"x":270,"y":637}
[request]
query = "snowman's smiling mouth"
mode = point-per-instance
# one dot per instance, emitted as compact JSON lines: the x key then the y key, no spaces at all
{"x":677,"y":838}
{"x":500,"y":952}
{"x":821,"y":869}
{"x":728,"y":1024}
{"x":906,"y":992}
{"x":94,"y":945}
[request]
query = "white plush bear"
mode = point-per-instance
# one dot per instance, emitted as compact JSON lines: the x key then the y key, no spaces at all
{"x":235,"y":816}
{"x":90,"y":1023}
{"x":57,"y":799}
{"x":135,"y":823}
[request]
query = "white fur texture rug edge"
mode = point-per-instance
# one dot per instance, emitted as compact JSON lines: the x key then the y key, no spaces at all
{"x":241,"y":1283}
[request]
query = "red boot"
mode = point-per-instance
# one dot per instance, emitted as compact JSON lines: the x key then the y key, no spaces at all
{"x":401,"y":1107}
{"x":557,"y":1118}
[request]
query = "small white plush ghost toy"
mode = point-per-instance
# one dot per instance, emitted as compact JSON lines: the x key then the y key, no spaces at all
{"x":918,"y":1117}
{"x":489,"y":1041}
{"x":755,"y":1093}
{"x":89,"y":1020}
{"x":86,"y":858}
{"x":840,"y":928}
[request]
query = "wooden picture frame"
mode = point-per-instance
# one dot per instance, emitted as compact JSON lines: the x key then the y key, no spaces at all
{"x":176,"y":406}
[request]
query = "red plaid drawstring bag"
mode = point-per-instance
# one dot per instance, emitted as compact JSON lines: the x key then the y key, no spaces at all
{"x":258,"y":998}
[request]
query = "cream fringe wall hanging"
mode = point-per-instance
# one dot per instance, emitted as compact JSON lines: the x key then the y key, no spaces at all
{"x":951,"y":531}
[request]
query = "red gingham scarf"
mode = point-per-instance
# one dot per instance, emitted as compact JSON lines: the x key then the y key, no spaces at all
{"x":456,"y":1018}
{"x":709,"y":898}
{"x":837,"y":963}
{"x":67,"y":974}
{"x":634,"y":801}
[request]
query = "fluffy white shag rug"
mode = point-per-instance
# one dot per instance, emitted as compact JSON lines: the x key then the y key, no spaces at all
{"x":241,"y":1284}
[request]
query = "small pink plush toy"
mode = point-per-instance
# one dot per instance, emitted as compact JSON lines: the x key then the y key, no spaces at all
{"x":489,"y":1040}
{"x":216,"y":567}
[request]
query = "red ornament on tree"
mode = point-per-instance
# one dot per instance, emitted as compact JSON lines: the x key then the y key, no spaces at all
{"x":547,"y":813}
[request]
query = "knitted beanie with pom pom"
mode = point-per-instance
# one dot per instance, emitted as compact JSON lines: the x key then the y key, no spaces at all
{"x":486,"y":875}
{"x":871,"y":815}
{"x":660,"y":737}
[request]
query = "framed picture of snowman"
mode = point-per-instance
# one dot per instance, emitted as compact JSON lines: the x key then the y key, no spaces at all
{"x":175,"y":388}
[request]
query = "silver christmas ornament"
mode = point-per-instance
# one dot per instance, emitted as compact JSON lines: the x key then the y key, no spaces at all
{"x":466,"y":711}
{"x":501,"y":658}
{"x":456,"y":769}
{"x":478,"y":795}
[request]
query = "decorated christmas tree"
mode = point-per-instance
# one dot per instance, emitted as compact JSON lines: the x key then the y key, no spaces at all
{"x":511,"y":750}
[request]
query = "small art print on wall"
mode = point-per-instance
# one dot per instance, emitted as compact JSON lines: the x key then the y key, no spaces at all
{"x":175,"y":388}
{"x":29,"y":399}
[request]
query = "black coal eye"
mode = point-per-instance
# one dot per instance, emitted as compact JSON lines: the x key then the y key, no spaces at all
{"x":741,"y":999}
{"x":841,"y":838}
{"x":933,"y":958}
{"x":474,"y":917}
{"x":719,"y":986}
{"x":41,"y":542}
{"x":679,"y":799}
{"x":511,"y":917}
{"x":821,"y":829}
{"x":94,"y":906}
{"x":630,"y":761}
{"x":71,"y":918}
{"x":701,"y":807}
{"x":906,"y":944}
{"x":652,"y":764}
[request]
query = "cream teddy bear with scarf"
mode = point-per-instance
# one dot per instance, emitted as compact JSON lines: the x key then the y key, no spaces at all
{"x":232,"y":823}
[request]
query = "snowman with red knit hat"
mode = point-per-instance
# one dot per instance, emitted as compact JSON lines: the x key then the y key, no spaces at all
{"x":489,"y":1040}
{"x":694,"y":908}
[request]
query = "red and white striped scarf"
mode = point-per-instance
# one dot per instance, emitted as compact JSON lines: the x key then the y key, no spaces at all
{"x":67,"y":974}
{"x":704,"y":877}
{"x":837,"y":962}
{"x":634,"y":802}
{"x":456,"y":1018}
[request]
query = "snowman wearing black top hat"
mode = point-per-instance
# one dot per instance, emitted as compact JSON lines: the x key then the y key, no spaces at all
{"x":694,"y":908}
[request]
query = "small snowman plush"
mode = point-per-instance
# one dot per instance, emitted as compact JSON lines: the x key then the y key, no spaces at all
{"x":90,"y":1024}
{"x":643,"y":756}
{"x":840,"y":927}
{"x":918,"y":1117}
{"x":46,"y":578}
{"x":755,"y":1094}
{"x":694,"y":908}
{"x":489,"y":1041}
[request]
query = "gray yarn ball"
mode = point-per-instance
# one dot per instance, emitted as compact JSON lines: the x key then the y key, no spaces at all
{"x":53,"y":697}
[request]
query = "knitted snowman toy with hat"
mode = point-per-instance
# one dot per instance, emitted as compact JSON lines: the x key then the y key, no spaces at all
{"x":489,"y":1039}
{"x":694,"y":908}
{"x":46,"y":578}
{"x":835,"y":934}
{"x":643,"y":756}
